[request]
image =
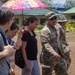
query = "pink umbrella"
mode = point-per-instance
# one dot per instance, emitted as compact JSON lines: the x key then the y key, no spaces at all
{"x":24,"y":4}
{"x":21,"y":5}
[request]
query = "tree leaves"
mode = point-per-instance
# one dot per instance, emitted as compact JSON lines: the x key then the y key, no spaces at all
{"x":3,"y":1}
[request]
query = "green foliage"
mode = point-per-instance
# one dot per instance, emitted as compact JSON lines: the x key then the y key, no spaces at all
{"x":70,"y":25}
{"x":40,"y":27}
{"x":19,"y":25}
{"x":69,"y":4}
{"x":48,"y":2}
{"x":3,"y":1}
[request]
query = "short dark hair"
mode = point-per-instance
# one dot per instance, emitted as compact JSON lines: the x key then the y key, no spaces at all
{"x":32,"y":19}
{"x":6,"y":14}
{"x":14,"y":26}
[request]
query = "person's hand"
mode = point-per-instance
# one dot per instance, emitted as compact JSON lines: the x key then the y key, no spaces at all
{"x":19,"y":33}
{"x":27,"y":67}
{"x":22,"y":31}
{"x":19,"y":41}
{"x":12,"y":71}
{"x":67,"y":54}
{"x":9,"y":50}
{"x":57,"y":57}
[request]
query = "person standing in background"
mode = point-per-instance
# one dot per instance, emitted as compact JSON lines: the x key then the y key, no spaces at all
{"x":29,"y":48}
{"x":10,"y":34}
{"x":61,"y":22}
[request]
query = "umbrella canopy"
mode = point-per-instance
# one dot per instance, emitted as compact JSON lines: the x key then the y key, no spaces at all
{"x":24,"y":4}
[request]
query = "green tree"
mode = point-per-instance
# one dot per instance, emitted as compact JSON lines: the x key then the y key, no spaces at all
{"x":69,"y":4}
{"x":3,"y":1}
{"x":48,"y":2}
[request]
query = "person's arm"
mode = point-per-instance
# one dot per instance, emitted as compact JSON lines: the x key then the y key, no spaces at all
{"x":25,"y":56}
{"x":12,"y":72}
{"x":65,"y":45}
{"x":25,"y":40}
{"x":18,"y":43}
{"x":24,"y":52}
{"x":3,"y":54}
{"x":8,"y":50}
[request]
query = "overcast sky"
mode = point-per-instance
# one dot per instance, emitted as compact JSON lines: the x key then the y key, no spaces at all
{"x":59,"y":1}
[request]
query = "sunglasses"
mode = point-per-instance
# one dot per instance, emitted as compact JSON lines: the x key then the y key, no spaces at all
{"x":54,"y":18}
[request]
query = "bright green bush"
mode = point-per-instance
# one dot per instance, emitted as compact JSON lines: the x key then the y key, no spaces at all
{"x":70,"y":25}
{"x":39,"y":27}
{"x":19,"y":25}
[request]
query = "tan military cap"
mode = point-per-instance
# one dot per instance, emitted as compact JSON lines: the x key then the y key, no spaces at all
{"x":62,"y":18}
{"x":50,"y":15}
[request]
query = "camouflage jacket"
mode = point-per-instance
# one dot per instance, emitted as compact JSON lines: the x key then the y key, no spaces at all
{"x":61,"y":38}
{"x":49,"y":41}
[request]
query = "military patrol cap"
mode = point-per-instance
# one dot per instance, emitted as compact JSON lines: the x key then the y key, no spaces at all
{"x":50,"y":15}
{"x":62,"y":18}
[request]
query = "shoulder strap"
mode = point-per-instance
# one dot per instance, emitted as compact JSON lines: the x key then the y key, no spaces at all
{"x":4,"y":39}
{"x":30,"y":33}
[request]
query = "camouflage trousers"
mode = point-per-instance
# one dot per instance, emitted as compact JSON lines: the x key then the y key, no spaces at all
{"x":60,"y":67}
{"x":68,"y":60}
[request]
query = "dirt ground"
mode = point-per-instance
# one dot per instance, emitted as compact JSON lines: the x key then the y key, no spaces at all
{"x":71,"y":41}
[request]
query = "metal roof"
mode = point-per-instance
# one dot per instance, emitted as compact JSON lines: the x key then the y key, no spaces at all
{"x":70,"y":11}
{"x":36,"y":12}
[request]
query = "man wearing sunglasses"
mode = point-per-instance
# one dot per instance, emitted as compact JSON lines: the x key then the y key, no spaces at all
{"x":52,"y":58}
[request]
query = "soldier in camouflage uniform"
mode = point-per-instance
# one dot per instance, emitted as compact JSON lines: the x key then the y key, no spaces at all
{"x":64,"y":46}
{"x":52,"y":55}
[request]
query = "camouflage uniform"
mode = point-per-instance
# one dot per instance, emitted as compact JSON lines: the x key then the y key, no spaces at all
{"x":62,"y":39}
{"x":50,"y":50}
